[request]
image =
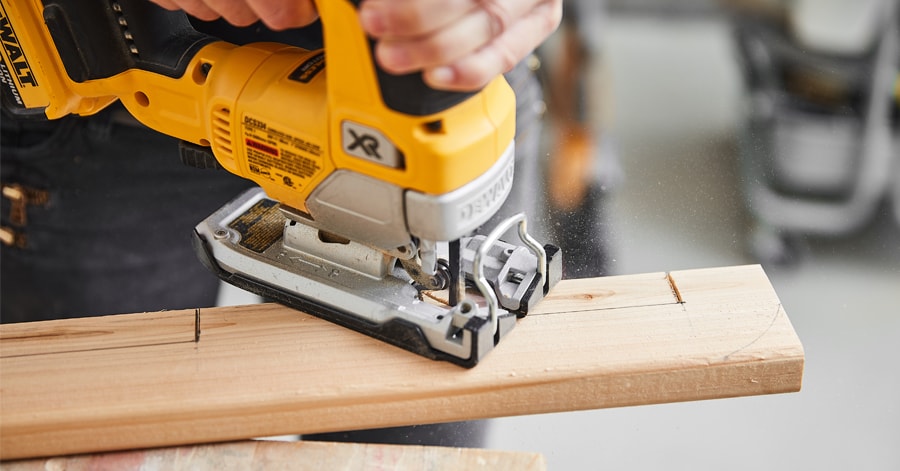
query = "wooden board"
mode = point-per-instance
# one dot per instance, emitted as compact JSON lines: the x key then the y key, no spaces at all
{"x":296,"y":456}
{"x":139,"y":380}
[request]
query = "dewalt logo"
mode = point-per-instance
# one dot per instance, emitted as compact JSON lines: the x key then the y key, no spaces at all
{"x":15,"y":64}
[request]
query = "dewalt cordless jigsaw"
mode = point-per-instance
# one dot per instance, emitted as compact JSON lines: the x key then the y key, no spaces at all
{"x":370,"y":185}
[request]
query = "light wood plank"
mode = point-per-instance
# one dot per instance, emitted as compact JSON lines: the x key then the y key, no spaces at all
{"x":296,"y":456}
{"x":105,"y":332}
{"x":268,"y":370}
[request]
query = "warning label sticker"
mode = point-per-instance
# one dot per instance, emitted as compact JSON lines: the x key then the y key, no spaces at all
{"x":260,"y":226}
{"x":279,"y":155}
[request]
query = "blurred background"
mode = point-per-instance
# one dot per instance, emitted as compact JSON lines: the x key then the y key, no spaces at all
{"x":700,"y":133}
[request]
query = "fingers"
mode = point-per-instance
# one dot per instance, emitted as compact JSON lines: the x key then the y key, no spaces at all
{"x":402,"y":53}
{"x":276,"y":14}
{"x":284,"y":14}
{"x":475,"y":70}
{"x":236,"y":13}
{"x":195,"y":8}
{"x":410,"y":18}
{"x":459,"y":44}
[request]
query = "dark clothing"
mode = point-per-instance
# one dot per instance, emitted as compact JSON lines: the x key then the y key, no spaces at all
{"x":113,"y":234}
{"x":108,"y":223}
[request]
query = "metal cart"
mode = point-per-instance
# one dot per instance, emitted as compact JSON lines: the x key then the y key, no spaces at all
{"x":819,"y":142}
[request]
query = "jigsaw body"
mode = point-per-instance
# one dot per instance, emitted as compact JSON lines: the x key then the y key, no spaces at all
{"x":370,"y":185}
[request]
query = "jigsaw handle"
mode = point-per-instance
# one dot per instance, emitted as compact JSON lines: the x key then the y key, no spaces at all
{"x":268,"y":112}
{"x":60,"y":45}
{"x":94,"y":40}
{"x":408,"y":93}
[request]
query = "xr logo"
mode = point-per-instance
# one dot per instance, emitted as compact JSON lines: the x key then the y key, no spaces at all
{"x":367,"y":142}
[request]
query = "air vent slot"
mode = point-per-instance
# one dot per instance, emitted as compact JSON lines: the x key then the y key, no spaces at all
{"x":222,"y":142}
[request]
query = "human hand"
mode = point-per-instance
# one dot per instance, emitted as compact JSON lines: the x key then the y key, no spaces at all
{"x":275,"y":14}
{"x":457,"y":44}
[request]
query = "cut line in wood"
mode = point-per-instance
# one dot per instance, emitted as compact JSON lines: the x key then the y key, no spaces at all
{"x":140,"y":381}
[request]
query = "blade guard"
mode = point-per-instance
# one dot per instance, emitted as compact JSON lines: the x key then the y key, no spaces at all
{"x":388,"y":309}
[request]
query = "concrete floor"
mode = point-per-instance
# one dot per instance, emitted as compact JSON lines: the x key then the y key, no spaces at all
{"x":676,"y":90}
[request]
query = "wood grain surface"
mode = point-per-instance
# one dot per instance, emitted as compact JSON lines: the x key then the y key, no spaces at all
{"x":140,"y":380}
